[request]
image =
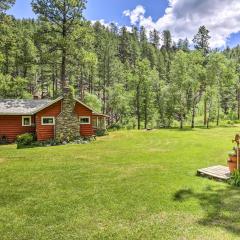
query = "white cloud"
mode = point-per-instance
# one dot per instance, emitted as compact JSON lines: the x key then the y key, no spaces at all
{"x":184,"y":17}
{"x":103,"y":22}
{"x":108,"y":24}
{"x":135,"y":15}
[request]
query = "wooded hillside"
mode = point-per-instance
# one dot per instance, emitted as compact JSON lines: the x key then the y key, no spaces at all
{"x":139,"y":79}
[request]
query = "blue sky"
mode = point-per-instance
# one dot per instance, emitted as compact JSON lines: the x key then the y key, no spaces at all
{"x":182,"y":18}
{"x":112,"y":10}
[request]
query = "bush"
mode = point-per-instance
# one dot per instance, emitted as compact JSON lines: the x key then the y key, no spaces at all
{"x":115,"y":127}
{"x":235,"y":178}
{"x":101,"y":132}
{"x":236,"y":121}
{"x":129,"y":127}
{"x":229,"y":122}
{"x":3,"y":140}
{"x":37,"y":144}
{"x":27,"y":140}
{"x":24,"y":140}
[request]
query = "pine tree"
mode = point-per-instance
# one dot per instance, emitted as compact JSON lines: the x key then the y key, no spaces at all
{"x":5,"y":5}
{"x":155,"y":38}
{"x":143,"y":43}
{"x":201,"y":40}
{"x":183,"y":44}
{"x":63,"y":17}
{"x":167,"y":40}
{"x":124,"y":45}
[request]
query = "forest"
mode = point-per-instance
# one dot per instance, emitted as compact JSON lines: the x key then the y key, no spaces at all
{"x":140,"y":78}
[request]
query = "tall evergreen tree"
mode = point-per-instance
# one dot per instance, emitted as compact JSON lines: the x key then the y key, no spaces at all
{"x":124,"y":45}
{"x":155,"y":38}
{"x":63,"y":17}
{"x":201,"y":40}
{"x":5,"y":5}
{"x":167,"y":40}
{"x":183,"y":44}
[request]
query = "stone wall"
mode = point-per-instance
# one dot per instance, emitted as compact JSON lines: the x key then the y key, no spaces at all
{"x":67,"y":126}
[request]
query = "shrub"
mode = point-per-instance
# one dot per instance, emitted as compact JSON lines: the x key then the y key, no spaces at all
{"x":37,"y":144}
{"x":25,"y":139}
{"x":101,"y":132}
{"x":229,"y":122}
{"x":115,"y":127}
{"x":235,"y":178}
{"x":236,"y":121}
{"x":129,"y":127}
{"x":3,"y":139}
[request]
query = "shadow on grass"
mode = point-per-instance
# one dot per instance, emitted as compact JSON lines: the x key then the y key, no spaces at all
{"x":221,"y":206}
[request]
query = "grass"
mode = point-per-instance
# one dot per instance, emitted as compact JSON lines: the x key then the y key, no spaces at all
{"x":129,"y":185}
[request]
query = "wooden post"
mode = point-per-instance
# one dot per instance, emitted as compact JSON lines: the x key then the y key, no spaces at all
{"x":237,"y":140}
{"x":238,"y":155}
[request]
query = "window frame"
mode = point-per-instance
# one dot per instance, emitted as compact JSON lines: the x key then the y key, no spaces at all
{"x":96,"y":119}
{"x":102,"y":123}
{"x":89,"y":120}
{"x":48,"y":124}
{"x":30,"y":121}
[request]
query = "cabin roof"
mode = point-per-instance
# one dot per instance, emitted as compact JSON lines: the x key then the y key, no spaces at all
{"x":31,"y":107}
{"x":24,"y":107}
{"x":20,"y":106}
{"x":100,"y":114}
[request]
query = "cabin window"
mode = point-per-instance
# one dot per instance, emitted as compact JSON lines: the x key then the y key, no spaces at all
{"x":48,"y":121}
{"x":84,"y":120}
{"x":102,"y":123}
{"x":26,"y":121}
{"x":99,"y":122}
{"x":95,"y":122}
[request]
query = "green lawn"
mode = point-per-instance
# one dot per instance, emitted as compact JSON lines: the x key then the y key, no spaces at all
{"x":128,"y":185}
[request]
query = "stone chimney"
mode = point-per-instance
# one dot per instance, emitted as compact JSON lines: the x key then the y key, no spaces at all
{"x":67,"y":126}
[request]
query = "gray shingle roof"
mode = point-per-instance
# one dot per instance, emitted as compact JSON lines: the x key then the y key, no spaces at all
{"x":22,"y":107}
{"x":30,"y":107}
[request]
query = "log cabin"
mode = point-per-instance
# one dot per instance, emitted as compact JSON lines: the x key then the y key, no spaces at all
{"x":64,"y":117}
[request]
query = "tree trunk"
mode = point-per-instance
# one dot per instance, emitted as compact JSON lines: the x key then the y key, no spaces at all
{"x":104,"y":82}
{"x":42,"y":84}
{"x":64,"y":50}
{"x":218,"y":113}
{"x":53,"y":84}
{"x":145,"y":115}
{"x":25,"y":69}
{"x":181,"y":123}
{"x":238,"y":104}
{"x":205,"y":113}
{"x":6,"y":61}
{"x":145,"y":121}
{"x":207,"y":123}
{"x":138,"y":108}
{"x":56,"y":82}
{"x":54,"y":89}
{"x":104,"y":98}
{"x":193,"y":116}
{"x":63,"y":68}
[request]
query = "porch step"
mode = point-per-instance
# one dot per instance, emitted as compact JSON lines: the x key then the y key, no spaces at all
{"x":218,"y":172}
